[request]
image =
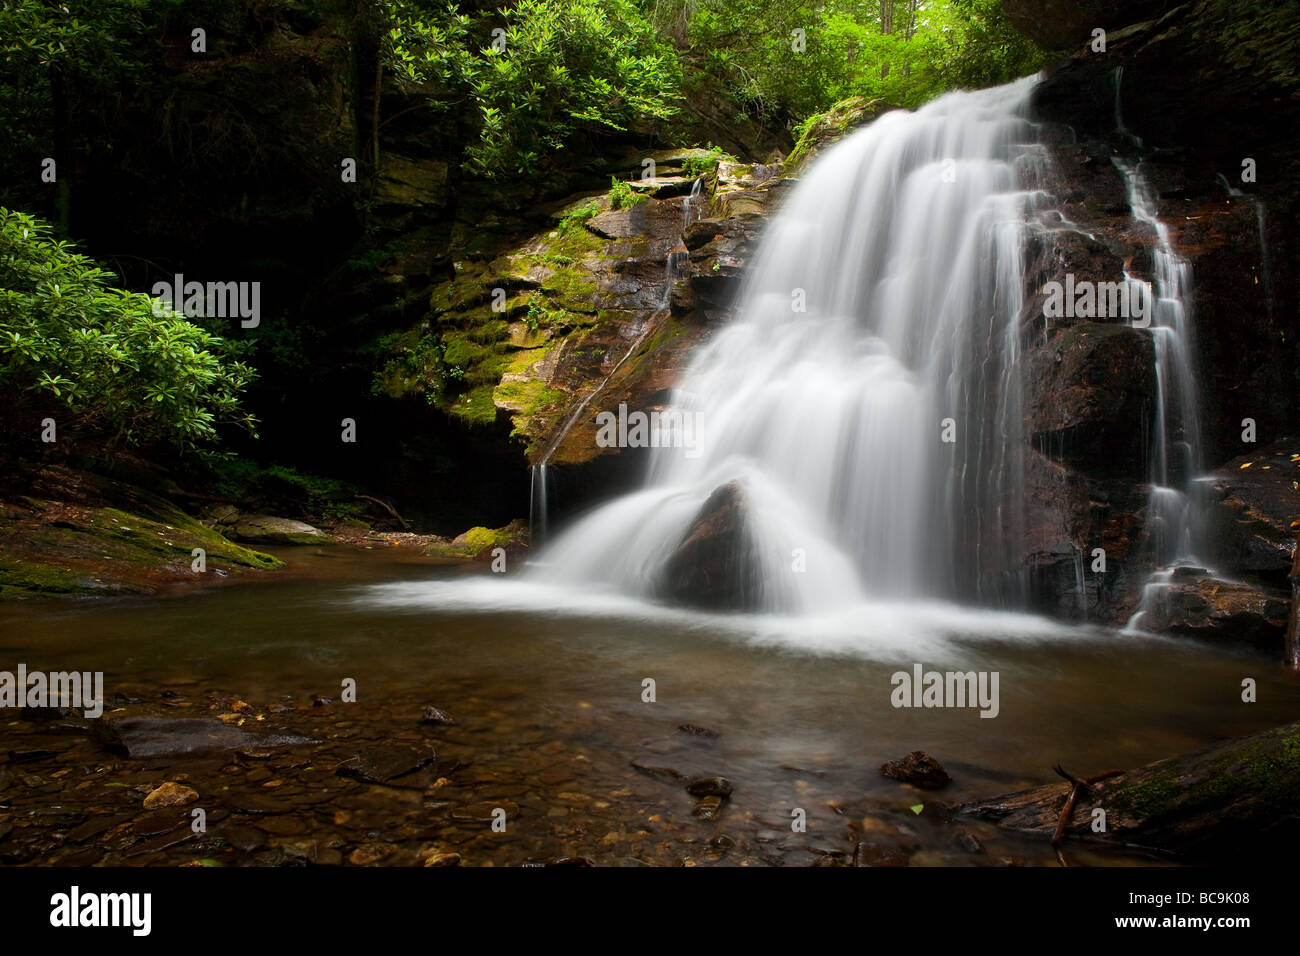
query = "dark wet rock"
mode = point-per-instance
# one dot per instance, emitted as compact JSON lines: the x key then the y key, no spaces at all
{"x":709,"y":787}
{"x":1065,"y":24}
{"x":164,"y":842}
{"x":387,"y":763}
{"x":283,"y":825}
{"x":94,"y":827}
{"x":1196,"y":604}
{"x":139,"y":737}
{"x":966,"y":841}
{"x":243,"y":838}
{"x":45,"y":714}
{"x":483,"y":813}
{"x":708,"y":808}
{"x":432,"y":715}
{"x":691,"y":730}
{"x":571,"y":861}
{"x":30,"y":756}
{"x":874,"y":854}
{"x":158,"y":821}
{"x":1257,"y":515}
{"x":919,"y":769}
{"x":253,"y":803}
{"x":1090,"y":390}
{"x":656,"y":770}
{"x":722,"y":842}
{"x":714,"y":566}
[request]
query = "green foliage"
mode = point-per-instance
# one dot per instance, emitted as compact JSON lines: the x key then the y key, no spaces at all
{"x":622,"y":195}
{"x":97,"y":357}
{"x":902,"y":51}
{"x":568,"y":67}
{"x":572,"y":221}
{"x":696,"y":166}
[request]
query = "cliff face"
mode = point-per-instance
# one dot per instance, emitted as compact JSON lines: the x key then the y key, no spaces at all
{"x":1204,"y":99}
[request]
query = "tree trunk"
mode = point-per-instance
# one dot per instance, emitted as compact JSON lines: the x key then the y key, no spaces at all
{"x":1224,"y":800}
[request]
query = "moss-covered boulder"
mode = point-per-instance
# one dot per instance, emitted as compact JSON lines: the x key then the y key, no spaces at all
{"x":265,"y":529}
{"x":481,"y":542}
{"x":72,"y":533}
{"x":824,"y":129}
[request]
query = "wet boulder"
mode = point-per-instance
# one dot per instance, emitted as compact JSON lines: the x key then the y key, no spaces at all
{"x":1090,"y":389}
{"x":1257,"y":512}
{"x":919,"y":769}
{"x":265,"y":529}
{"x":713,"y":568}
{"x":1194,"y":603}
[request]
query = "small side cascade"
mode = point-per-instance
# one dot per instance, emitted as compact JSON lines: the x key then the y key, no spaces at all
{"x":675,"y":265}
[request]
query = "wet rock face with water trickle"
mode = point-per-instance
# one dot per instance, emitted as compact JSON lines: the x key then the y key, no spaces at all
{"x":714,"y":566}
{"x":1196,"y":604}
{"x":1238,"y":237}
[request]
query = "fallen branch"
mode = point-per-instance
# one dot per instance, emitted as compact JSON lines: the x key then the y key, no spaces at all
{"x":387,"y":507}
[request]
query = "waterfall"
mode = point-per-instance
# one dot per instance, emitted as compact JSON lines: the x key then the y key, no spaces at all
{"x":866,"y":396}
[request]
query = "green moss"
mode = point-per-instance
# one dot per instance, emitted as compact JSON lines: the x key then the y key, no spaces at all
{"x":174,"y":539}
{"x":1268,"y":768}
{"x":477,"y":540}
{"x":462,"y":351}
{"x":476,"y":406}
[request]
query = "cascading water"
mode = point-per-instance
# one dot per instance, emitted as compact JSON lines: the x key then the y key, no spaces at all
{"x":1176,"y":510}
{"x":1177,"y":507}
{"x":866,"y":397}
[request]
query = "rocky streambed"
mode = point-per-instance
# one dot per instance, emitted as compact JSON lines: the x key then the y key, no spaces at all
{"x":349,"y":714}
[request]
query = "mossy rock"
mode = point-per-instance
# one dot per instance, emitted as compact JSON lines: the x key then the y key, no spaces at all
{"x":478,"y":541}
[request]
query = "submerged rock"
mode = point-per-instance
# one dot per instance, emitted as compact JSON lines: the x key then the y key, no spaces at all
{"x":432,"y":715}
{"x":709,"y":787}
{"x":139,"y":737}
{"x":385,"y":764}
{"x":170,"y":794}
{"x":919,"y":769}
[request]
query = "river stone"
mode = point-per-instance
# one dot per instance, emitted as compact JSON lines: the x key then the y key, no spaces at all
{"x":432,"y":715}
{"x":382,"y":764}
{"x":139,"y":737}
{"x":264,"y":529}
{"x":709,"y":787}
{"x":919,"y":769}
{"x":170,"y":794}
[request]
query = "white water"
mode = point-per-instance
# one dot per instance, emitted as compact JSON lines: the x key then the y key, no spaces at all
{"x":905,"y":243}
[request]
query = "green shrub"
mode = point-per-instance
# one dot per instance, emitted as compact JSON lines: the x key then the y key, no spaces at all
{"x":622,"y":195}
{"x":96,"y":358}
